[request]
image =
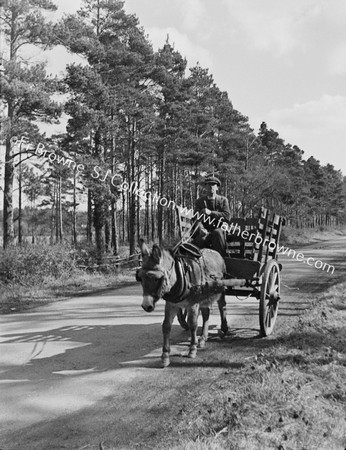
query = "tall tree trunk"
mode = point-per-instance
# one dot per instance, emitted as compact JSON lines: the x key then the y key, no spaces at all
{"x":52,"y":220}
{"x":115,"y":238}
{"x":20,"y":230}
{"x":146,"y":219}
{"x":8,"y":237}
{"x":132,"y":197}
{"x":99,"y":224}
{"x":74,"y":225}
{"x":100,"y":209}
{"x":57,"y":210}
{"x":132,"y":223}
{"x":138,"y":208}
{"x":32,"y":224}
{"x":89,"y":219}
{"x":160,"y":218}
{"x":8,"y":196}
{"x":113,"y":216}
{"x":147,"y":202}
{"x":108,"y":238}
{"x":123,"y":216}
{"x":152,"y":205}
{"x":61,"y":232}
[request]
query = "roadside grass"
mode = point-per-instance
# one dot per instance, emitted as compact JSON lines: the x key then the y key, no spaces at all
{"x":305,"y":236}
{"x":290,"y":395}
{"x":17,"y":298}
{"x":31,"y":276}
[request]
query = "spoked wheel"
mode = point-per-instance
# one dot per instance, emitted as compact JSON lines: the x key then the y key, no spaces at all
{"x":182,"y":318}
{"x":270,"y":296}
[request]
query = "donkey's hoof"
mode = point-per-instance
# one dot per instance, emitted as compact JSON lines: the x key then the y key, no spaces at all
{"x":226,"y":332}
{"x":201,"y":342}
{"x":165,"y":360}
{"x":221,"y":333}
{"x":192,"y":353}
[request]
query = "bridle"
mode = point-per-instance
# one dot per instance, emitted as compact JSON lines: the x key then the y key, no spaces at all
{"x":158,"y":274}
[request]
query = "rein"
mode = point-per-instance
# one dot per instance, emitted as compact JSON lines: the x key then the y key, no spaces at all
{"x":186,"y":237}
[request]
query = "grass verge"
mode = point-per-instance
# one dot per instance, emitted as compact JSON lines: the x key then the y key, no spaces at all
{"x":15,"y":297}
{"x":32,"y":275}
{"x":297,"y":237}
{"x":290,"y":395}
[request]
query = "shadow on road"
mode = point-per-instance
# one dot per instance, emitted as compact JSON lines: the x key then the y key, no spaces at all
{"x":95,"y":348}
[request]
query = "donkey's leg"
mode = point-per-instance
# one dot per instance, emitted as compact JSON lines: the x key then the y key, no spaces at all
{"x":223,"y":314}
{"x":192,"y":318}
{"x":170,"y":312}
{"x":204,"y":336}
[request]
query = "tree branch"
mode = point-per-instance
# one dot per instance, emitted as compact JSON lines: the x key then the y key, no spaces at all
{"x":7,"y":21}
{"x":23,"y":160}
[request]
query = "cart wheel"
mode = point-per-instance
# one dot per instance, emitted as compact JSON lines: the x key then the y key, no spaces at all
{"x":270,"y":296}
{"x":182,"y":315}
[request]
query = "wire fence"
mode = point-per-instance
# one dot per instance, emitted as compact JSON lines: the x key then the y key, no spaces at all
{"x":112,"y":262}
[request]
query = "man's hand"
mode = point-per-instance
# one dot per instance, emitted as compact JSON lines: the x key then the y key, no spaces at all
{"x":204,"y":233}
{"x":206,"y":211}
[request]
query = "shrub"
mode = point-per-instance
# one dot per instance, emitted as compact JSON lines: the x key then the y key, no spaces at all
{"x":30,"y":264}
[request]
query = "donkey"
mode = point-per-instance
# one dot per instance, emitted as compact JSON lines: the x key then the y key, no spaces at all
{"x":184,"y":282}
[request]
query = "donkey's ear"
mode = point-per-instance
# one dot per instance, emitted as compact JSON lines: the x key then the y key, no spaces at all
{"x":156,"y":253}
{"x":143,"y":247}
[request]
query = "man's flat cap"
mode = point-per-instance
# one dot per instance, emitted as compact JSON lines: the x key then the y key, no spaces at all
{"x":211,"y":180}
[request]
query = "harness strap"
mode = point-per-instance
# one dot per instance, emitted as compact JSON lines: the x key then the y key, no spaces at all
{"x":180,"y":288}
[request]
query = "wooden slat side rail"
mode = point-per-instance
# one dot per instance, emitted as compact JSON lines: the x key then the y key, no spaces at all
{"x":270,"y":231}
{"x":271,"y":235}
{"x":266,"y":229}
{"x":237,"y":246}
{"x":262,"y":228}
{"x":184,"y":222}
{"x":278,"y":222}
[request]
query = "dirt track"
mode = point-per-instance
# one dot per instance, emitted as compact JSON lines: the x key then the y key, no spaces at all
{"x":85,"y":371}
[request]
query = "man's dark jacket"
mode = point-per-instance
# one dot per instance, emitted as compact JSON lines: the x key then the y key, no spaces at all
{"x":219,"y":208}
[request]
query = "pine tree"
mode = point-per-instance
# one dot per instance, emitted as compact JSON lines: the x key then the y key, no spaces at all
{"x":109,"y":102}
{"x":170,"y":146}
{"x":25,"y":88}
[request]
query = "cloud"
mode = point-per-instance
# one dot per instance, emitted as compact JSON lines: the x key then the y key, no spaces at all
{"x":193,"y":12}
{"x":268,"y":25}
{"x":337,"y":60}
{"x":284,"y":26}
{"x":316,"y":116}
{"x":59,"y":57}
{"x":317,"y":127}
{"x":333,"y":12}
{"x":193,"y":52}
{"x":66,"y":7}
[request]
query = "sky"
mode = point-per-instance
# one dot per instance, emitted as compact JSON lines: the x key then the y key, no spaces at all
{"x":281,"y":61}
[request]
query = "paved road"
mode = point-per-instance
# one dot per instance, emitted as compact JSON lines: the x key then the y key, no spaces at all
{"x":72,"y":356}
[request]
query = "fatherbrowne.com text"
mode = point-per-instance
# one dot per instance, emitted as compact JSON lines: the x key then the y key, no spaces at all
{"x":257,"y":239}
{"x":299,"y":256}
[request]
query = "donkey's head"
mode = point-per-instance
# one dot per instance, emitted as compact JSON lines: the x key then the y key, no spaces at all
{"x":155,"y":275}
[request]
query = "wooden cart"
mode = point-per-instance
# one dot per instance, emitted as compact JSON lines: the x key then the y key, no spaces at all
{"x":251,"y":262}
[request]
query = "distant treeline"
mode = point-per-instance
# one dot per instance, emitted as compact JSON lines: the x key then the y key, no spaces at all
{"x":139,"y":116}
